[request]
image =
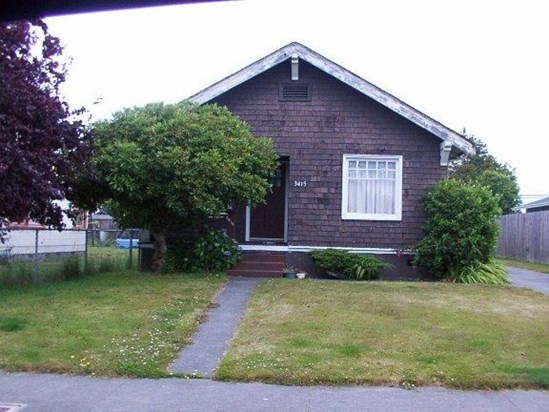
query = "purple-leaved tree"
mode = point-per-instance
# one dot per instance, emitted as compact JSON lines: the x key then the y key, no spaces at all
{"x":42,"y":142}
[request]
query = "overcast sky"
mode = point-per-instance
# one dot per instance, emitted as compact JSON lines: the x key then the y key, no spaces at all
{"x":482,"y":65}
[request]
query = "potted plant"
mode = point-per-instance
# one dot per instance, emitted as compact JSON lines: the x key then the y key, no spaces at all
{"x":290,"y":272}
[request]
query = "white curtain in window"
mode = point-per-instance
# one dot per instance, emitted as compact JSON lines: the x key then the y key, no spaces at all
{"x":371,"y":187}
{"x":371,"y":196}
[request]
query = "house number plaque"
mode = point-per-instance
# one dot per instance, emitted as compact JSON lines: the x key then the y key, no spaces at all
{"x":300,"y":183}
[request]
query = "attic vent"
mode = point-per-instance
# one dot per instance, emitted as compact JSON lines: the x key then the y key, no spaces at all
{"x":295,"y":92}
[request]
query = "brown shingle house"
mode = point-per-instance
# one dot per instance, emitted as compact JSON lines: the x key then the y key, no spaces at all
{"x":354,"y":161}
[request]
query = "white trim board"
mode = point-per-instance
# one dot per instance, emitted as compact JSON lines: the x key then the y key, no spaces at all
{"x":444,"y":133}
{"x":305,"y":249}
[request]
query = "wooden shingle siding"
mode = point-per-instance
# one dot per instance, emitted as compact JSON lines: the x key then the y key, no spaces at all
{"x":314,"y":135}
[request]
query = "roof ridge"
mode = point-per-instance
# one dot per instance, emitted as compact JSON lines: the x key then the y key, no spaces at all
{"x":339,"y":72}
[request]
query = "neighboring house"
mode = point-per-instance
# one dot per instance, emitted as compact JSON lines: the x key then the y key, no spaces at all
{"x":101,"y":220}
{"x":25,"y":238}
{"x":354,"y":160}
{"x":537,"y":206}
{"x":103,"y":229}
{"x":80,"y":223}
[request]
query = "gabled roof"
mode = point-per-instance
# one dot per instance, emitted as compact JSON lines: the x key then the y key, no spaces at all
{"x":447,"y":135}
{"x":534,"y":205}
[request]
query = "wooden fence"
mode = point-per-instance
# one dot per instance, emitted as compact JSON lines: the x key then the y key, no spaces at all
{"x":525,"y":236}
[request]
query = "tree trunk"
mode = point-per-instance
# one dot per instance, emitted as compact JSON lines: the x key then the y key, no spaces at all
{"x":160,"y":248}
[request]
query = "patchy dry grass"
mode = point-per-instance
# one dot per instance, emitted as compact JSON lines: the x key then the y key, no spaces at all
{"x":379,"y":333}
{"x":122,"y":323}
{"x":538,"y":267}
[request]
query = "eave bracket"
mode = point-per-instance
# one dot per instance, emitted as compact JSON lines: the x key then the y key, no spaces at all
{"x":445,"y":149}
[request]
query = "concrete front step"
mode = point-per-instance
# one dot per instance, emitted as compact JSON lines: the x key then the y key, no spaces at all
{"x":263,"y":258}
{"x":259,"y":265}
{"x":255,"y":273}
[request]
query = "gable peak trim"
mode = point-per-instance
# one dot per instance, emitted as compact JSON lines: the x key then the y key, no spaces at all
{"x":295,"y":49}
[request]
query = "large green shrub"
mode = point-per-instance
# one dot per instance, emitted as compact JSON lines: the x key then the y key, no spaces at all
{"x":461,"y":230}
{"x":213,"y":251}
{"x":349,"y":265}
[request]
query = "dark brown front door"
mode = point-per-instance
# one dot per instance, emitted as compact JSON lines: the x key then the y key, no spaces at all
{"x":267,"y":220}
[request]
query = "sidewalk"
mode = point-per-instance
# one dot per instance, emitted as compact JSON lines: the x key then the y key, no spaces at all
{"x":525,"y":278}
{"x":56,"y":393}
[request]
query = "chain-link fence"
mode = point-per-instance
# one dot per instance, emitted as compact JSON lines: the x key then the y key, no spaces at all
{"x":34,"y":255}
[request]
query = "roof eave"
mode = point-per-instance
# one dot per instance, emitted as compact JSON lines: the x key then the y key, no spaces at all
{"x":356,"y":82}
{"x":544,"y":202}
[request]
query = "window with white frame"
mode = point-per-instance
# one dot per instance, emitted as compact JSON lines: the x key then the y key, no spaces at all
{"x":372,"y":187}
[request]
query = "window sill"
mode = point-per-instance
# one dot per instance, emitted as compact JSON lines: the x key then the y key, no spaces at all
{"x":382,"y":218}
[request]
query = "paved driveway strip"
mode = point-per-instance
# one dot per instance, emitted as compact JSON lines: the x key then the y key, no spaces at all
{"x":53,"y":393}
{"x":525,"y":278}
{"x":211,"y":340}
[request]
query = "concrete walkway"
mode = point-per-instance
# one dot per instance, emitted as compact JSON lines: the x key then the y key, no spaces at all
{"x":211,"y":340}
{"x":53,"y":393}
{"x":525,"y":278}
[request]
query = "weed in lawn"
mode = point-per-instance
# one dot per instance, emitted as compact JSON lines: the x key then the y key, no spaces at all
{"x":22,"y":271}
{"x":535,"y":375}
{"x":427,"y":359}
{"x":481,"y":344}
{"x":19,"y":274}
{"x":407,"y":382}
{"x":106,"y":265}
{"x":349,"y":350}
{"x":128,"y":263}
{"x":301,"y":343}
{"x":70,"y":269}
{"x":12,"y":324}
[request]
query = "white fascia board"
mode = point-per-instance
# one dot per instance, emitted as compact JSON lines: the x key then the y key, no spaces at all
{"x":388,"y":100}
{"x":305,"y":249}
{"x":241,"y":76}
{"x":356,"y":82}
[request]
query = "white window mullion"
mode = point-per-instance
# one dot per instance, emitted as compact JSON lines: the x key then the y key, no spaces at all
{"x":372,"y":187}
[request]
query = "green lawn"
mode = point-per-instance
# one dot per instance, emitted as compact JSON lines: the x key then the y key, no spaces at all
{"x":396,"y":333}
{"x":120,"y":323}
{"x":538,"y":267}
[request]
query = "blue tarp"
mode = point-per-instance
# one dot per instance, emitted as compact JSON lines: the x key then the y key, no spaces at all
{"x":125,"y":243}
